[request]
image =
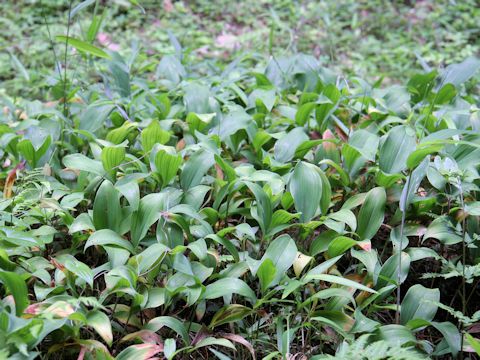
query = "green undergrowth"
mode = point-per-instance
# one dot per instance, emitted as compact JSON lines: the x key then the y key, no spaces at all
{"x":266,"y":208}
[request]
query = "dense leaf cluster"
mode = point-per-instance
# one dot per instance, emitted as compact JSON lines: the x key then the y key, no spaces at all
{"x":270,"y":209}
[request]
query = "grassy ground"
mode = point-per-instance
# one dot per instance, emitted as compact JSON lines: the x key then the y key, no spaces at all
{"x":371,"y":39}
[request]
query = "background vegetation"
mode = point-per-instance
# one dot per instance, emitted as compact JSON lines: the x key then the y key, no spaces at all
{"x":255,"y":179}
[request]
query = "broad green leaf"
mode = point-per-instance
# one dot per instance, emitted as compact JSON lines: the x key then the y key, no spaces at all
{"x":83,"y":46}
{"x":389,"y":271}
{"x":451,"y":335}
{"x":227,"y":287}
{"x":372,"y":213}
{"x":339,"y":245}
{"x":417,"y":156}
{"x":326,"y":197}
{"x":107,"y":237}
{"x":445,"y":94}
{"x":306,"y":188}
{"x":26,"y":148}
{"x":5,"y":262}
{"x":323,"y":111}
{"x":457,"y":74}
{"x":169,"y":348}
{"x":229,"y":313}
{"x":107,"y":213}
{"x":120,"y":134}
{"x":167,"y":165}
{"x":195,"y":168}
{"x":172,"y":323}
{"x":264,"y":206}
{"x":153,"y":134}
{"x":198,"y":122}
{"x":345,"y":216}
{"x":396,"y":335}
{"x":419,"y":303}
{"x":83,"y":163}
{"x":321,"y":268}
{"x":101,"y":323}
{"x":112,"y":157}
{"x":442,"y":230}
{"x":396,"y":148}
{"x":303,"y":113}
{"x":76,"y":267}
{"x":282,"y":252}
{"x":284,"y":149}
{"x":266,"y":273}
{"x":17,"y":287}
{"x":149,"y":257}
{"x":149,"y":211}
{"x":365,"y":142}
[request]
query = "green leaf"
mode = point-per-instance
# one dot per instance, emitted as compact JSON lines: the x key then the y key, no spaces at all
{"x":413,"y":182}
{"x":81,"y":162}
{"x":339,"y":245}
{"x":198,"y":122}
{"x":266,"y":273}
{"x":5,"y":262}
{"x":326,"y":197}
{"x":323,"y":111}
{"x":303,"y":113}
{"x":396,"y":335}
{"x":388,"y":272}
{"x":451,"y":335}
{"x":416,"y":157}
{"x":169,"y":348}
{"x":195,"y":168}
{"x":445,"y":94}
{"x":229,"y":313}
{"x":17,"y":287}
{"x":340,"y":281}
{"x":107,"y":237}
{"x":76,"y":267}
{"x":153,"y":134}
{"x":227,"y":287}
{"x":264,"y":206}
{"x":442,"y":230}
{"x":26,"y":148}
{"x":107,"y":213}
{"x":172,"y":323}
{"x":149,"y":211}
{"x":84,"y":4}
{"x":213,"y":341}
{"x":396,"y":148}
{"x":419,"y":303}
{"x":321,"y":268}
{"x":282,"y":252}
{"x":101,"y":323}
{"x":457,"y":74}
{"x":372,"y":213}
{"x":112,"y":156}
{"x":284,"y":149}
{"x":167,"y":165}
{"x":83,"y":46}
{"x":306,"y":188}
{"x":345,"y":216}
{"x":474,"y":343}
